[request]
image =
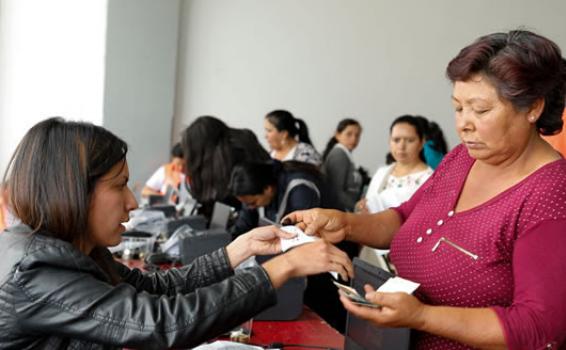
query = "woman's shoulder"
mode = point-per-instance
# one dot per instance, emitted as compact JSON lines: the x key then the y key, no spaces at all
{"x":305,"y":152}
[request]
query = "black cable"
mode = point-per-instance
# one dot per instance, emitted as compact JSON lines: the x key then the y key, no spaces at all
{"x":285,"y":346}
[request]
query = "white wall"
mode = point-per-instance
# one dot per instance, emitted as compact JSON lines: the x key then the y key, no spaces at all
{"x":51,"y":63}
{"x":327,"y":59}
{"x":139,"y":91}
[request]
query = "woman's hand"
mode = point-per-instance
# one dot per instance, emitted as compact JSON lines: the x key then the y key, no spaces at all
{"x":263,"y":240}
{"x":331,"y":225}
{"x":397,"y":309}
{"x":309,"y":259}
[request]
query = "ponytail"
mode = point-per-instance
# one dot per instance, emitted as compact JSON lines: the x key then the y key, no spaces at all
{"x":303,"y":131}
{"x":329,"y":146}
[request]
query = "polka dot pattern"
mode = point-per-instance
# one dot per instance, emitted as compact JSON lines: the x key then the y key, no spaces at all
{"x":450,"y":275}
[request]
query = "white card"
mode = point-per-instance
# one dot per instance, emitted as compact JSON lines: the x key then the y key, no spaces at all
{"x":299,"y":239}
{"x":398,"y":284}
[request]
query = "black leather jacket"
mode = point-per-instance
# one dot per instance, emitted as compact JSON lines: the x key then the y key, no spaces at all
{"x":54,"y":297}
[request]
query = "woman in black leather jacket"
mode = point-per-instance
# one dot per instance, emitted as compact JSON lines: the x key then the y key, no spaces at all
{"x":60,"y":287}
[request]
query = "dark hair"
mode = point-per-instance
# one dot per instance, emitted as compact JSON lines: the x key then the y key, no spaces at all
{"x":523,"y":67}
{"x":177,"y":151}
{"x":420,"y":129}
{"x":434,"y":133}
{"x":284,"y":121}
{"x":52,"y":175}
{"x":342,"y":125}
{"x":211,"y":150}
{"x":208,"y":158}
{"x":252,"y":178}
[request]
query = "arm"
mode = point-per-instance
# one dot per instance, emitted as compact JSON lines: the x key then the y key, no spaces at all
{"x":120,"y":316}
{"x":148,"y":191}
{"x":154,"y":183}
{"x":203,"y":271}
{"x":376,"y":230}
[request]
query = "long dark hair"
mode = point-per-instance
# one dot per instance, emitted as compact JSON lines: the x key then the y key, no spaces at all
{"x":285,"y":121}
{"x":523,"y":67}
{"x":420,"y":129}
{"x":208,"y":157}
{"x":252,"y":178}
{"x":52,"y":175}
{"x":342,"y":125}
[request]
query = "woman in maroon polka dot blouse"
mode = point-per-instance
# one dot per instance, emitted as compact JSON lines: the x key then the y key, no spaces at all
{"x":485,"y":236}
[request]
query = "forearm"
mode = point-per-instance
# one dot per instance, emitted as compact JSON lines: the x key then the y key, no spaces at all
{"x":148,"y":191}
{"x":374,"y":230}
{"x":238,"y":250}
{"x":477,"y":327}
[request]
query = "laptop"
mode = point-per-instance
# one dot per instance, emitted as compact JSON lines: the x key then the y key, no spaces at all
{"x":220,"y":216}
{"x":361,"y":334}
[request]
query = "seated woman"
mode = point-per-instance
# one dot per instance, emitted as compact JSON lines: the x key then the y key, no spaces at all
{"x":343,"y":180}
{"x":271,"y":190}
{"x":396,"y":182}
{"x":61,"y":288}
{"x":484,"y":236}
{"x":288,"y":138}
{"x":170,"y":175}
{"x":405,"y":171}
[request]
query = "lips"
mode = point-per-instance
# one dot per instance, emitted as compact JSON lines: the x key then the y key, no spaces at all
{"x":473,"y":144}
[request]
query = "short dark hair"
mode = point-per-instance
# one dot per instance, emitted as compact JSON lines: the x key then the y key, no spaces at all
{"x":177,"y":151}
{"x":53,"y":173}
{"x":523,"y":67}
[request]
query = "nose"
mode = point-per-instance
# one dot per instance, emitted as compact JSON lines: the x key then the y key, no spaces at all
{"x":464,"y":122}
{"x":131,"y":202}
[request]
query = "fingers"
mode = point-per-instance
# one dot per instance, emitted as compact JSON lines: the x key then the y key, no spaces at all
{"x":282,"y":233}
{"x":293,"y":218}
{"x":342,"y":262}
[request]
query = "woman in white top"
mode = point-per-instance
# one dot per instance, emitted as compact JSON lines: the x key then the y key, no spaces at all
{"x":288,"y":138}
{"x":396,"y":182}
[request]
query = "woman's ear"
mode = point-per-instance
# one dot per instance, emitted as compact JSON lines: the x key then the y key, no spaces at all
{"x":536,"y":110}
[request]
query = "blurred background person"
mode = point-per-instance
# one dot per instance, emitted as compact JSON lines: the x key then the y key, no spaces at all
{"x":288,"y":138}
{"x":170,"y":175}
{"x":405,"y":171}
{"x":214,"y":149}
{"x":435,"y":147}
{"x":342,"y":179}
{"x":396,"y":182}
{"x":271,"y":190}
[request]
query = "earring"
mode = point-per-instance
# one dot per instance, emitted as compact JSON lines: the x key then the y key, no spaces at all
{"x":532,"y":118}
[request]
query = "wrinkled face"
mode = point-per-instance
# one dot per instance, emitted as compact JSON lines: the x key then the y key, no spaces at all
{"x":274,"y":137}
{"x":110,"y":203}
{"x":349,"y":137}
{"x":178,"y":164}
{"x":258,"y":200}
{"x":405,"y":144}
{"x":490,"y":127}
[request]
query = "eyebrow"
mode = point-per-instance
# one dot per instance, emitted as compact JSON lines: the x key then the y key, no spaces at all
{"x":471,"y":100}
